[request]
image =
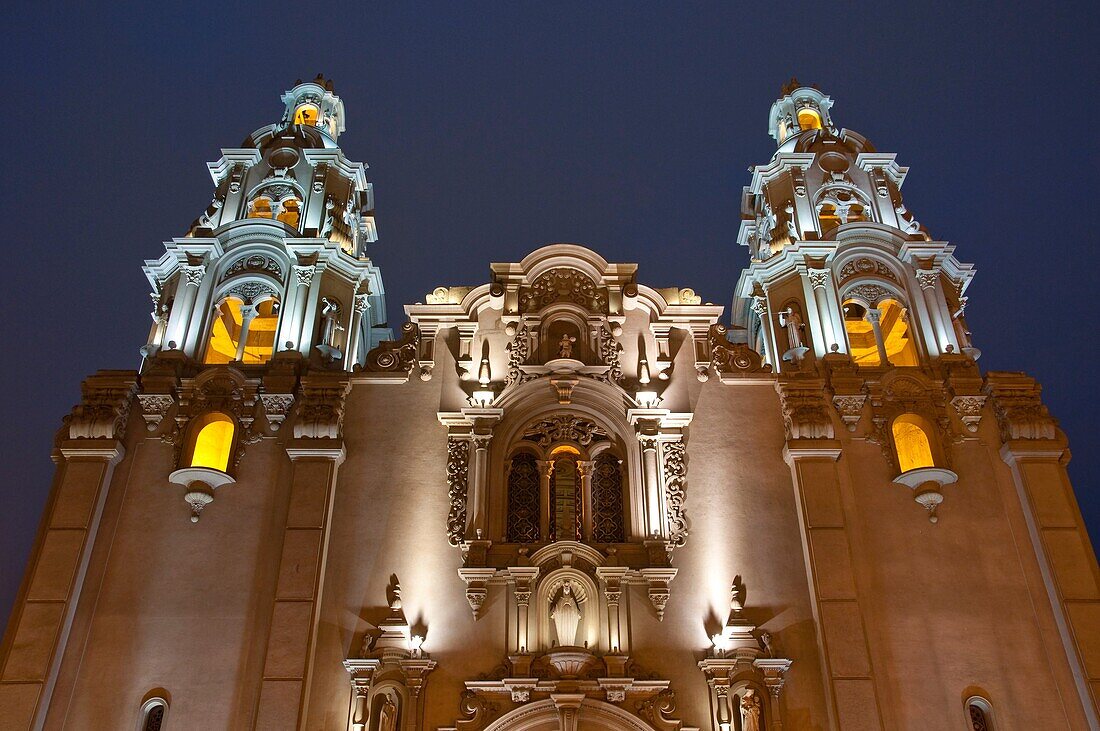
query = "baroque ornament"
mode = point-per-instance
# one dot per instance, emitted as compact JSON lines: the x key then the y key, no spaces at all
{"x":610,"y":350}
{"x":564,"y":429}
{"x":869,"y":293}
{"x":395,"y":355}
{"x":563,"y":285}
{"x":675,"y":476}
{"x":518,"y":352}
{"x":865,"y":266}
{"x":458,"y":465}
{"x":254,"y":263}
{"x":727,"y":357}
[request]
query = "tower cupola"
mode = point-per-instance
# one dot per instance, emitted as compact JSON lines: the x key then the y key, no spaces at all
{"x":799,"y":109}
{"x":313,"y":104}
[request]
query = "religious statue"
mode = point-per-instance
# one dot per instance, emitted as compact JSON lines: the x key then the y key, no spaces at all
{"x":791,"y":320}
{"x":387,"y":717}
{"x":750,"y":711}
{"x":566,"y":615}
{"x":792,"y":234}
{"x":565,"y":346}
{"x":329,"y":311}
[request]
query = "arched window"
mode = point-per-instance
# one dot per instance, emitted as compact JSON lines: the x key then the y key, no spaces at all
{"x":565,"y":496}
{"x":260,"y":207}
{"x":307,"y":114}
{"x":153,"y":713}
{"x":912,"y":442}
{"x":289,"y":211}
{"x":827,"y":217}
{"x":523,"y":499}
{"x":808,"y":119}
{"x":607,"y":500}
{"x":211,"y":442}
{"x":892,"y":337}
{"x":241,"y":332}
{"x":979,"y":713}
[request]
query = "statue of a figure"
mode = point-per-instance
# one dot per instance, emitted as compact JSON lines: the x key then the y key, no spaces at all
{"x":750,"y":711}
{"x":790,"y":319}
{"x":792,"y":234}
{"x":566,"y":615}
{"x":565,"y":346}
{"x":387,"y":717}
{"x":326,"y":227}
{"x":329,"y":312}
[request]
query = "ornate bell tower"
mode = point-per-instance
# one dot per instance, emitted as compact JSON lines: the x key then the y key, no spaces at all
{"x":839,"y":263}
{"x":277,"y":262}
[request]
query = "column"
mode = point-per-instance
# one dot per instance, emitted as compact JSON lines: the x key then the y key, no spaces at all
{"x":187,"y":287}
{"x":874,"y":316}
{"x":303,"y":283}
{"x":940,"y":326}
{"x":477,"y":518}
{"x":651,"y":476}
{"x":44,"y":619}
{"x":584,"y":471}
{"x":546,"y":500}
{"x":315,"y":453}
{"x":612,"y":578}
{"x":826,"y":543}
{"x":524,"y":577}
{"x":359,"y":306}
{"x":760,"y":307}
{"x":248,"y":314}
{"x":819,"y":281}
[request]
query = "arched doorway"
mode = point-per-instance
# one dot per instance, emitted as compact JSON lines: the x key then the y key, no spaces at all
{"x":568,"y":712}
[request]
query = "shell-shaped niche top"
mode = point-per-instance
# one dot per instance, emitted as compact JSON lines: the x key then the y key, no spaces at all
{"x":563,"y":284}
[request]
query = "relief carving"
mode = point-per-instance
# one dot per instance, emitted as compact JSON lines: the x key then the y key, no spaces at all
{"x":727,"y":357}
{"x":395,"y":355}
{"x":675,"y":477}
{"x":105,"y":407}
{"x":321,"y":408}
{"x":1019,"y":410}
{"x":564,"y":429}
{"x":805,"y":413}
{"x":458,"y":465}
{"x":865,"y":266}
{"x":563,"y":285}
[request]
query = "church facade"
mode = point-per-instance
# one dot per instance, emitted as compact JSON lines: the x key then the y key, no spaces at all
{"x":565,"y":497}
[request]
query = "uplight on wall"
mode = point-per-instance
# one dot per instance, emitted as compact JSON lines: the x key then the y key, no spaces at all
{"x":482,"y":398}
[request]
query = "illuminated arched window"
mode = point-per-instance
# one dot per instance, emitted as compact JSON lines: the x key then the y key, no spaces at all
{"x":260,"y":208}
{"x":241,"y":332}
{"x":290,"y":211}
{"x":912,"y":442}
{"x":808,"y":119}
{"x":307,"y":114}
{"x":607,"y":500}
{"x":856,"y":212}
{"x":153,"y":713}
{"x":524,"y":490}
{"x":565,"y":496}
{"x":893,"y":328}
{"x":211,"y":442}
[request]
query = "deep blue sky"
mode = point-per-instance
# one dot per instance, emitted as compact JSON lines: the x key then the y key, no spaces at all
{"x":491,"y":129}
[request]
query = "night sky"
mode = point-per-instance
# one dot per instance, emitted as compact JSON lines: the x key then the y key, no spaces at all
{"x":492,"y":129}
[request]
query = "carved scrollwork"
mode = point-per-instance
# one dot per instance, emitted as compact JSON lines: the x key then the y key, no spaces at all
{"x":564,"y":428}
{"x":969,"y":409}
{"x":458,"y":465}
{"x":675,"y":494}
{"x":864,"y":266}
{"x":563,"y":285}
{"x":321,"y":408}
{"x":477,"y":711}
{"x":518,"y":353}
{"x":850,"y":408}
{"x":249,"y":292}
{"x":727,"y":357}
{"x":869,"y":293}
{"x":805,"y":413}
{"x":154,"y":407}
{"x":610,"y":352}
{"x":658,"y":711}
{"x":254,"y":263}
{"x":1020,"y":412}
{"x":395,"y":355}
{"x":276,"y":407}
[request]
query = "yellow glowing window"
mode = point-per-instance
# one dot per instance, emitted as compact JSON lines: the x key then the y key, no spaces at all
{"x":897,"y":336}
{"x":307,"y":114}
{"x":809,"y":119}
{"x":261,"y":208}
{"x":911,"y":442}
{"x":225,"y":333}
{"x":213,"y":442}
{"x":827,"y":217}
{"x":290,"y":212}
{"x":861,"y":336}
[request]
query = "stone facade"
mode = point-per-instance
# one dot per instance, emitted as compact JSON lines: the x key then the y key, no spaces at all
{"x":562,"y":498}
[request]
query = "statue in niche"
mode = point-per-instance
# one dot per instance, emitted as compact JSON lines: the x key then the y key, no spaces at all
{"x":387,"y":717}
{"x":329,"y":312}
{"x":750,"y":711}
{"x":567,"y":616}
{"x":565,"y":345}
{"x":792,"y":234}
{"x":791,"y":320}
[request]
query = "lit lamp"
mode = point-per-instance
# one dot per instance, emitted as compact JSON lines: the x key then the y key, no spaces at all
{"x":647,"y":399}
{"x":415,"y":643}
{"x":483,"y":398}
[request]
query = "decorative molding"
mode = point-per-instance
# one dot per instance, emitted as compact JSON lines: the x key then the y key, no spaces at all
{"x":518,"y":353}
{"x":864,"y":266}
{"x":563,"y":284}
{"x":658,"y":580}
{"x":850,"y":409}
{"x":564,"y":428}
{"x":734,"y":358}
{"x":303,"y":275}
{"x":458,"y":467}
{"x":610,"y":352}
{"x":254,"y":263}
{"x":105,"y":406}
{"x":1017,"y":405}
{"x":477,"y":587}
{"x":193,"y":274}
{"x":154,"y":407}
{"x":675,"y":474}
{"x":819,"y":278}
{"x":869,"y":293}
{"x":276,"y":407}
{"x":805,"y":411}
{"x":395,"y":355}
{"x":250,"y":291}
{"x":321,"y":407}
{"x":969,"y":409}
{"x":927,"y":278}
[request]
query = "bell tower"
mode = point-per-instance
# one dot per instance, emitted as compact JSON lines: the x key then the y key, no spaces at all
{"x":277,"y":263}
{"x":839,"y":265}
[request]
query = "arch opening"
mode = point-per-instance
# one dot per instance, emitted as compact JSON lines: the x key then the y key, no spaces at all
{"x":912,"y":442}
{"x":242,"y":332}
